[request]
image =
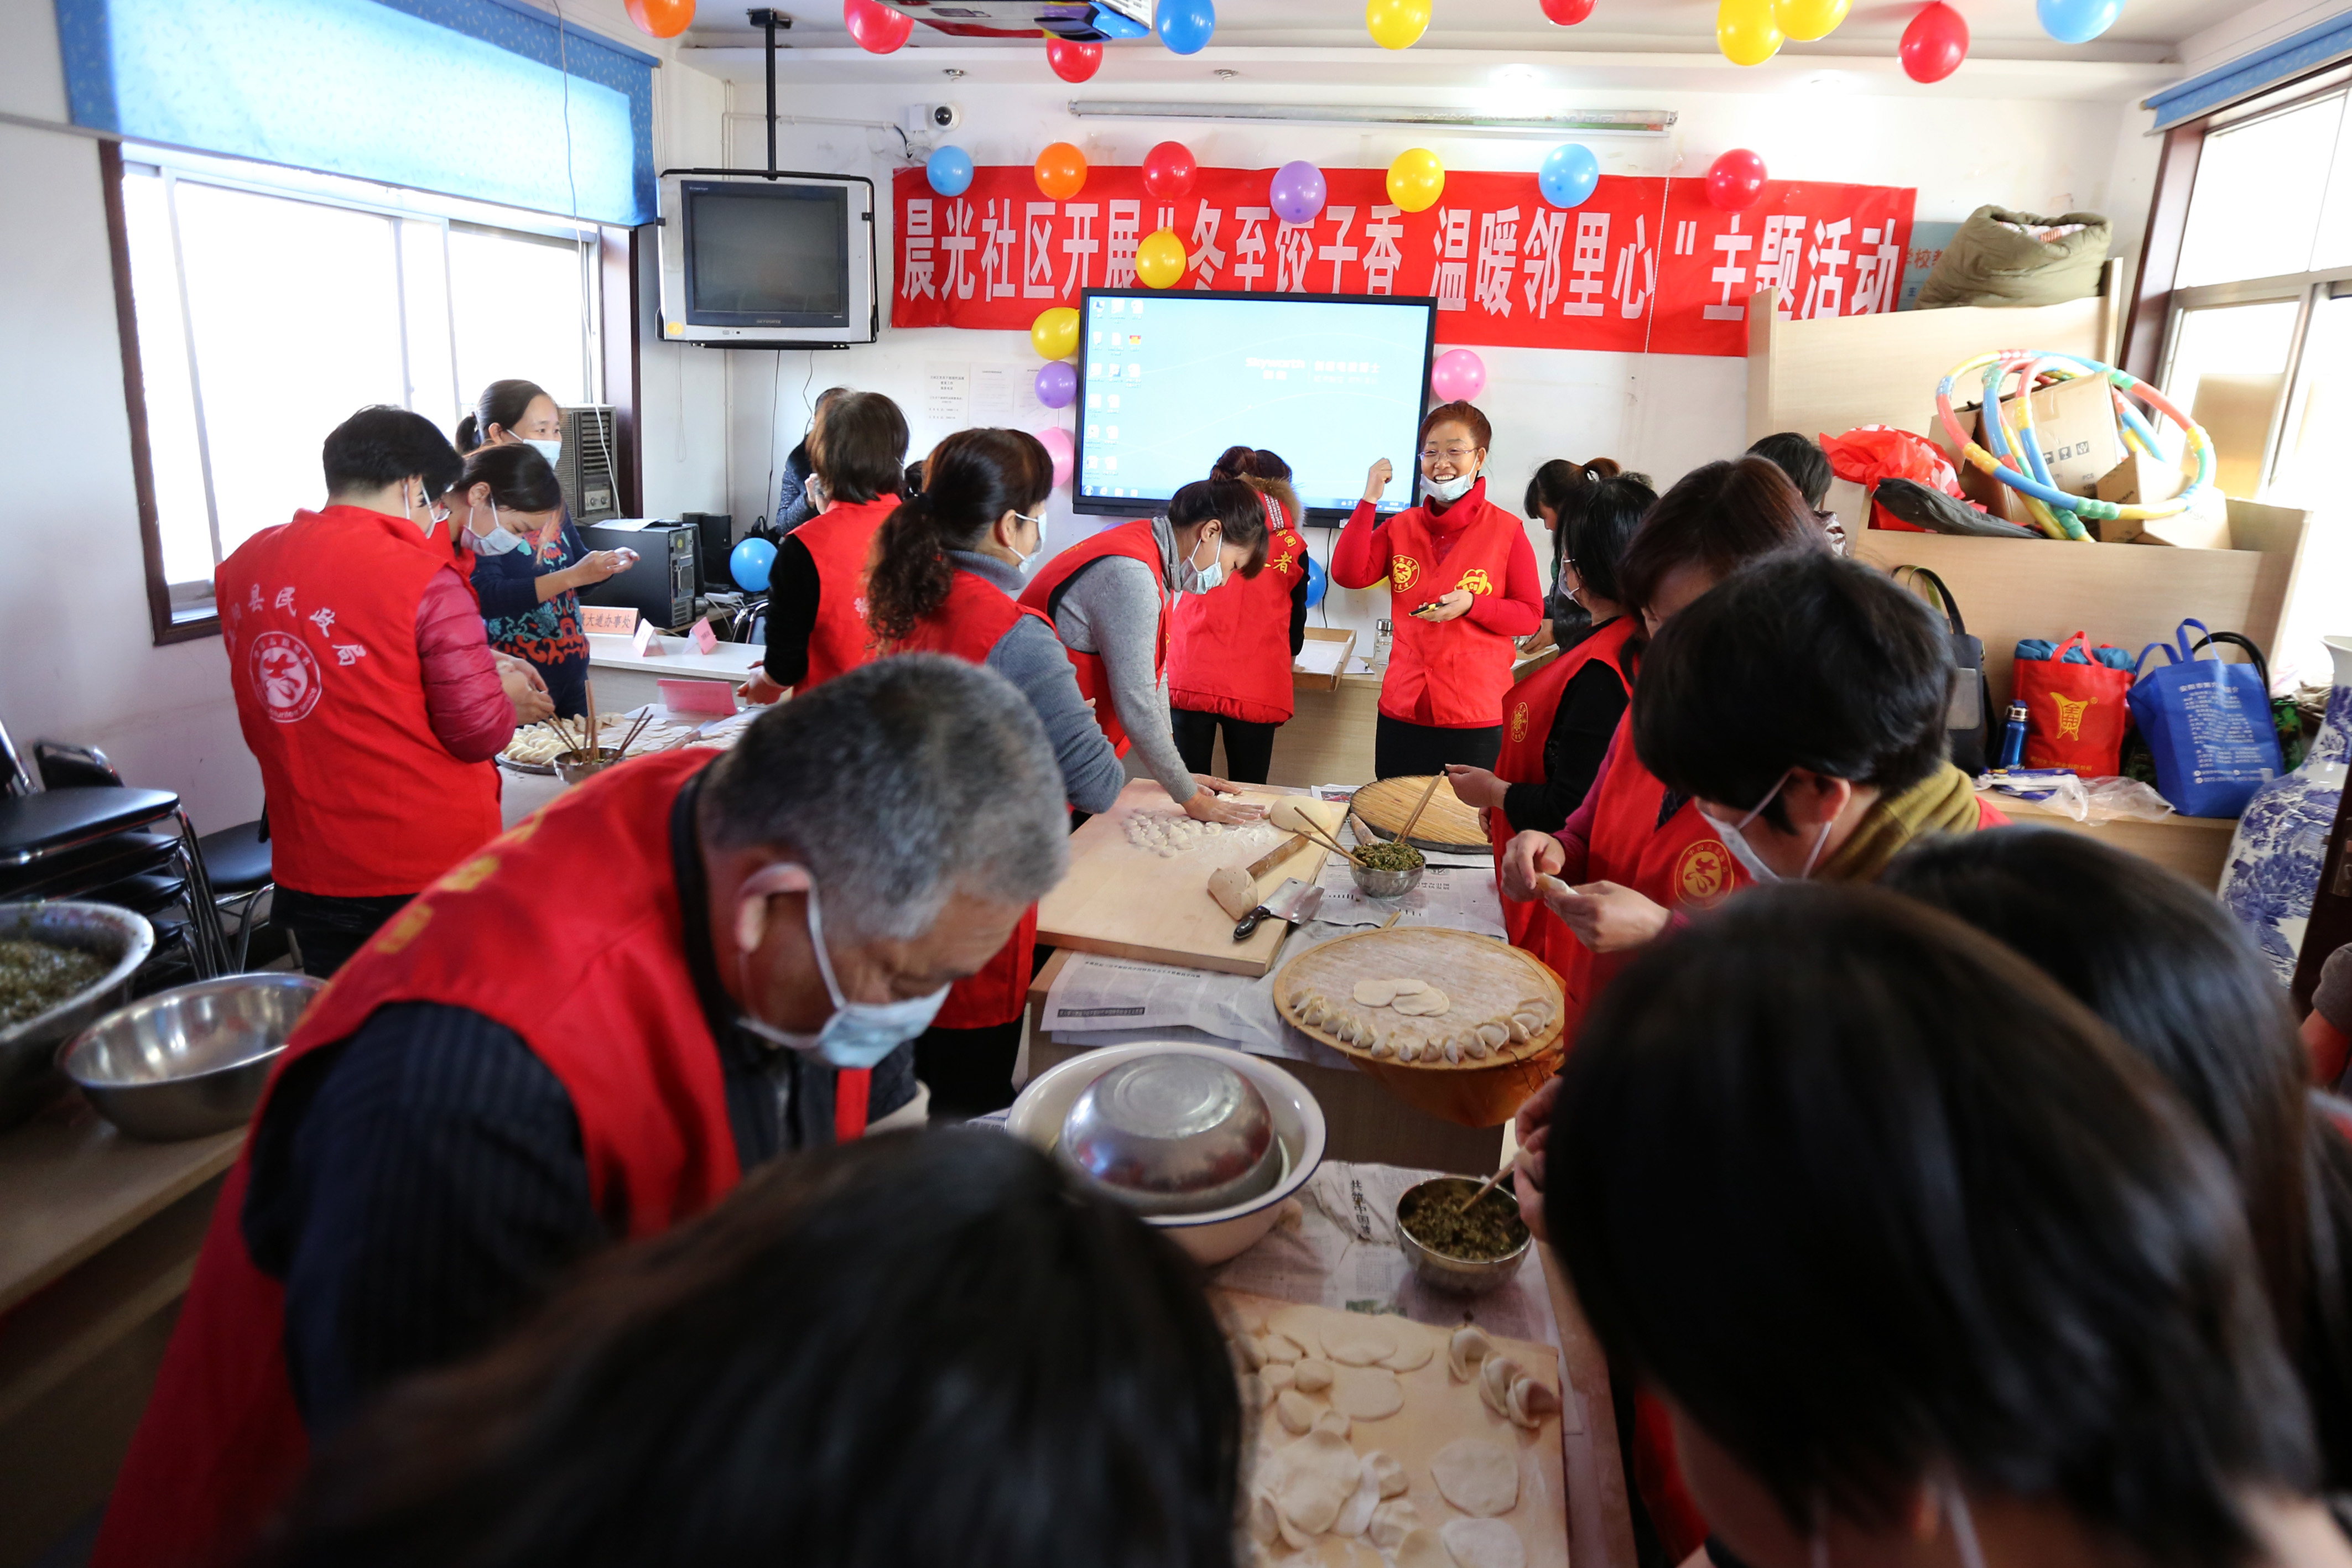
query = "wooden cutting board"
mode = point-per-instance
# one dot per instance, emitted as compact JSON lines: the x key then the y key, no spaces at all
{"x":1447,"y":827}
{"x":1132,"y":903}
{"x":1482,"y":978}
{"x":1437,"y":1411}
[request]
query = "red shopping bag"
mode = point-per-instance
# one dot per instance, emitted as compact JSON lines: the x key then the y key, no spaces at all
{"x":1869,"y":452}
{"x":2075,"y":715}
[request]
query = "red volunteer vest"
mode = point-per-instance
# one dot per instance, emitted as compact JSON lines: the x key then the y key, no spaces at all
{"x":1528,"y":709}
{"x":1135,"y":541}
{"x":599,"y":991}
{"x":841,"y":541}
{"x":320,"y":616}
{"x":974,"y":619}
{"x":1460,"y":667}
{"x":1229,"y":649}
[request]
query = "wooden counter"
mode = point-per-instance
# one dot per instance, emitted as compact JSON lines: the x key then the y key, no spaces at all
{"x":98,"y":1235}
{"x":2196,"y":847}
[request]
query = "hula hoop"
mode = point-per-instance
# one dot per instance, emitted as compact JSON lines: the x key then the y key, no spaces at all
{"x":2055,"y":511}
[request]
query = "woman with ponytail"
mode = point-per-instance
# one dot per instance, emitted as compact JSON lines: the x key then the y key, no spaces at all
{"x":946,"y":566}
{"x":1558,"y":491}
{"x":1230,"y":650}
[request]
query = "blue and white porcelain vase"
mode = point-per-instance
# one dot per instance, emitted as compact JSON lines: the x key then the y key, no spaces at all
{"x":2274,"y":865}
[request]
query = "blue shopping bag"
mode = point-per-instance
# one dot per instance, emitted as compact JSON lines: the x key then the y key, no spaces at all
{"x":2208,"y":725}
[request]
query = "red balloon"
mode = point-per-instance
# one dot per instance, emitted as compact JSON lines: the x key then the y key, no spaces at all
{"x":662,"y":18}
{"x":878,"y":29}
{"x":1935,"y":43}
{"x":1735,"y":180}
{"x":1071,"y":60}
{"x":1567,"y":13}
{"x":1167,"y":170}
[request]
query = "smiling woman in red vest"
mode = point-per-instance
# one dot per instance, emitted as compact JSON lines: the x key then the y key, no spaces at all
{"x":816,"y":588}
{"x":1112,"y":599}
{"x":366,"y":688}
{"x":1230,"y":650}
{"x":946,"y":567}
{"x":1462,"y":587}
{"x":447,"y":1133}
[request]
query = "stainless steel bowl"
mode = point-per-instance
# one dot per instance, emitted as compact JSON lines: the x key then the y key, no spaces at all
{"x":190,"y":1061}
{"x":1172,"y":1135}
{"x":1443,"y":1271}
{"x":28,"y":1049}
{"x":1385,"y":883}
{"x":574,"y":766}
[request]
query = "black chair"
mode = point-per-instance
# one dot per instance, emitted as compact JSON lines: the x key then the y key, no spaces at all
{"x":237,"y":862}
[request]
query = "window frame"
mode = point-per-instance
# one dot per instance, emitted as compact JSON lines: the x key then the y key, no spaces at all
{"x":610,"y":274}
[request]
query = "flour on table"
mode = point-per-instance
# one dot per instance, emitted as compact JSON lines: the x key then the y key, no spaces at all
{"x":1171,"y":833}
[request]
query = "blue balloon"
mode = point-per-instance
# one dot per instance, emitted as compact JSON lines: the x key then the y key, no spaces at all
{"x":1316,"y":581}
{"x":950,"y":170}
{"x":2077,"y":21}
{"x":749,"y":565}
{"x":1185,"y":25}
{"x":1568,"y":175}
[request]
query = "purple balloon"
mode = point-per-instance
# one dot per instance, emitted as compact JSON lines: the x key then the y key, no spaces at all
{"x":1298,"y":192}
{"x":1057,"y":383}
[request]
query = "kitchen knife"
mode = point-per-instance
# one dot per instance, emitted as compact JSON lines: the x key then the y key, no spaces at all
{"x":1293,"y":902}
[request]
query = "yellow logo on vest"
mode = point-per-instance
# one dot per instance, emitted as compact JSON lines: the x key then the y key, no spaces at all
{"x":1403,"y":573}
{"x":1519,"y":722}
{"x":2069,"y":716}
{"x":405,"y":928}
{"x":1701,"y":872}
{"x":1475,"y":580}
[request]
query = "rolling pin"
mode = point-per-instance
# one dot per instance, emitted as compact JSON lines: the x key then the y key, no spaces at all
{"x":1236,"y":891}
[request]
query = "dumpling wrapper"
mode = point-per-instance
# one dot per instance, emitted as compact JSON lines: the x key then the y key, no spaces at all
{"x":1414,"y":1348}
{"x":1313,"y":1375}
{"x":1391,"y":1522}
{"x":1312,"y":1479}
{"x":1372,"y":993}
{"x":1389,"y":1471}
{"x":1356,"y":1514}
{"x":1422,"y":1548}
{"x":1423,"y":1004}
{"x":1362,"y":1343}
{"x":1409,"y":987}
{"x":1480,"y":1478}
{"x":1468,"y":1347}
{"x":1483,"y":1543}
{"x":1302,"y":1326}
{"x":1365,"y":1393}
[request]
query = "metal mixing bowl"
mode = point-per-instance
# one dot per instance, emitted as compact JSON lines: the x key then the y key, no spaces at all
{"x":1443,"y":1271}
{"x":1172,"y":1135}
{"x":28,"y":1049}
{"x":574,"y":766}
{"x":189,"y":1061}
{"x":1386,"y":883}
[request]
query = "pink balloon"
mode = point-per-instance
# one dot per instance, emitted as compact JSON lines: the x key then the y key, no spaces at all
{"x":1735,"y":180}
{"x":1056,"y":442}
{"x":1458,"y":376}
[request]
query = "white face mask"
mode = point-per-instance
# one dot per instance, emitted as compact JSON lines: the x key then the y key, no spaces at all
{"x":858,"y":1034}
{"x":1190,"y":578}
{"x":1736,"y":841}
{"x":1030,"y":560}
{"x":551,"y":450}
{"x":434,"y":516}
{"x":498,"y":541}
{"x":1450,"y":490}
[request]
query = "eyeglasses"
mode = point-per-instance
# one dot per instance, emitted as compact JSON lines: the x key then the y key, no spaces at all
{"x":1456,"y":453}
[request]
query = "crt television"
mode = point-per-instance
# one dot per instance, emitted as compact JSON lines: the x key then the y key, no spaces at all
{"x":1167,"y":380}
{"x":749,"y":261}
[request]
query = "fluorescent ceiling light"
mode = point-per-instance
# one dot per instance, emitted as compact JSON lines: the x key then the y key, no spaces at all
{"x":1605,"y":123}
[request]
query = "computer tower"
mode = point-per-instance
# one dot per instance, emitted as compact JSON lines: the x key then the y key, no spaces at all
{"x":714,"y":548}
{"x":661,"y":586}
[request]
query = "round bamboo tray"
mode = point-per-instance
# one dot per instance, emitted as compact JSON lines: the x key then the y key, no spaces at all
{"x":1447,"y":827}
{"x":1482,"y":977}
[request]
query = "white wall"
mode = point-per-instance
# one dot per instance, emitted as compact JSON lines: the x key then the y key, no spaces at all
{"x":1662,"y":415}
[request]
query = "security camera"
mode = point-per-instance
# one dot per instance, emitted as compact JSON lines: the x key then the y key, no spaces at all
{"x":945,"y":117}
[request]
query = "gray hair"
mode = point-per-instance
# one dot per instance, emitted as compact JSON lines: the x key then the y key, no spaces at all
{"x":896,"y":785}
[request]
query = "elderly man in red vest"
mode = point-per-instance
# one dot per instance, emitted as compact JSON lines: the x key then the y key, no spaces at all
{"x":367,"y":688}
{"x":587,"y":1033}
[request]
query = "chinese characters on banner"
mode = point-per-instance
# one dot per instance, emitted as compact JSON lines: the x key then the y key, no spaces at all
{"x":1645,"y":264}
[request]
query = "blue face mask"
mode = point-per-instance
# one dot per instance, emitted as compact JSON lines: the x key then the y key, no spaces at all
{"x":498,"y":541}
{"x":858,"y":1034}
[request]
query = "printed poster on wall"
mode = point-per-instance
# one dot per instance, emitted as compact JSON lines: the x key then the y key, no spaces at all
{"x":1645,"y":265}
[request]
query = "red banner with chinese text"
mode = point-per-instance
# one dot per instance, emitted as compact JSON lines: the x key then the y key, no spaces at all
{"x":1645,"y":265}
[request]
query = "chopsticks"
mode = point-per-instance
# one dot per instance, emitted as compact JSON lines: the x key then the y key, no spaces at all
{"x":635,"y":729}
{"x":596,"y":750}
{"x":1314,"y":830}
{"x":1410,"y":822}
{"x":1464,"y":1206}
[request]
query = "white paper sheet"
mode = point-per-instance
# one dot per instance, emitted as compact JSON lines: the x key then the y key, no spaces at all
{"x":946,"y":394}
{"x":1319,"y":657}
{"x":994,"y":389}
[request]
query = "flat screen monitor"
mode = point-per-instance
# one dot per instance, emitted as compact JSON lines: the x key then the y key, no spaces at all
{"x":1168,"y":380}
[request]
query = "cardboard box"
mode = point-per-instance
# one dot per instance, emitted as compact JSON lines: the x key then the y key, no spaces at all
{"x":2075,"y":425}
{"x":2141,"y":480}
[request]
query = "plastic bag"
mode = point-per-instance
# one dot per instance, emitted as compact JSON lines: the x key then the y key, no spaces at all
{"x":1869,"y":452}
{"x":2090,"y":800}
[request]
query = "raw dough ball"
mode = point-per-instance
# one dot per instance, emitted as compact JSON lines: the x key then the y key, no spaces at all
{"x":1278,"y":1375}
{"x":1280,"y":1347}
{"x":1375,"y":993}
{"x":1294,"y":1410}
{"x":1252,"y":1352}
{"x":1477,"y":1476}
{"x":1291,"y":817}
{"x":1331,"y":1421}
{"x":1414,"y":1347}
{"x":1468,"y":1347}
{"x":1302,"y":1326}
{"x":1483,"y":1543}
{"x":1388,"y":1470}
{"x":1424,"y":1004}
{"x":1391,"y":1522}
{"x":1356,"y":1514}
{"x":1313,"y":1376}
{"x":1360,"y":1342}
{"x":1494,"y":1034}
{"x":1365,"y":1393}
{"x":1422,"y":1548}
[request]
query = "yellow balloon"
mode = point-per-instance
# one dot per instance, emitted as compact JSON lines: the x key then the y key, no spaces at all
{"x":1396,"y":24}
{"x":1055,"y":333}
{"x":1747,"y":31}
{"x":1160,"y":259}
{"x":1805,"y":20}
{"x":1416,"y":179}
